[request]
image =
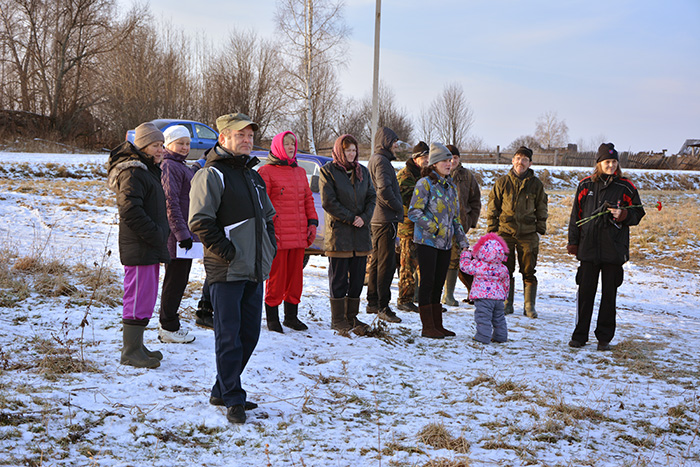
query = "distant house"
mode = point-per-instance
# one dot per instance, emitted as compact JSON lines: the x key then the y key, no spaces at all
{"x":691,"y":147}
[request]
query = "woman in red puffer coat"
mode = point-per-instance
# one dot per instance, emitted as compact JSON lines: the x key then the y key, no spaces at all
{"x":295,"y":228}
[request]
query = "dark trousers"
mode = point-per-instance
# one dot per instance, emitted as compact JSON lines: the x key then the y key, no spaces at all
{"x":346,"y":276}
{"x":237,"y":316}
{"x":433,"y":264}
{"x":177,"y":274}
{"x":382,"y":265}
{"x":587,"y":280}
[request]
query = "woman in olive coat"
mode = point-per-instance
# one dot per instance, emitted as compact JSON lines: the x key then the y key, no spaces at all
{"x":348,"y":198}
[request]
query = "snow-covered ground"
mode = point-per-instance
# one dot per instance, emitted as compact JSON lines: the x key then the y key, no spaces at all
{"x":328,"y":400}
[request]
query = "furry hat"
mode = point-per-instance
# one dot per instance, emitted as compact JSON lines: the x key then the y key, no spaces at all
{"x":490,"y":241}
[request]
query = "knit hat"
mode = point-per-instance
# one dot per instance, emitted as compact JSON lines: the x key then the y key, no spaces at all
{"x":453,"y":149}
{"x":147,"y":133}
{"x":420,"y":149}
{"x":524,"y":151}
{"x":607,"y":151}
{"x":175,"y":132}
{"x":236,"y":121}
{"x":438,"y":153}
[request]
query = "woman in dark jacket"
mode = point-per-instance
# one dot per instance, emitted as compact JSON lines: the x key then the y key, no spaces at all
{"x":176,"y":177}
{"x":601,"y":243}
{"x":348,"y":197}
{"x":134,"y":175}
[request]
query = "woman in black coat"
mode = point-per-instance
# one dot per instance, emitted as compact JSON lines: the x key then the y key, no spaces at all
{"x":601,"y":244}
{"x":348,"y":198}
{"x":134,"y":175}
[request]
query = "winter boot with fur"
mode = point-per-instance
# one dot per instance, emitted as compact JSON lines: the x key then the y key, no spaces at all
{"x":272,"y":314}
{"x":291,"y":319}
{"x":437,"y":321}
{"x":426,"y":317}
{"x":351,"y":311}
{"x":508,"y":304}
{"x":338,"y":310}
{"x":132,"y":351}
{"x":448,"y":298}
{"x":530,"y":299}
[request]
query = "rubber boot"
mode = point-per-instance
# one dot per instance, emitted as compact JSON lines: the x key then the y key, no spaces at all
{"x":448,"y":298}
{"x":426,"y":318}
{"x":508,"y":304}
{"x":530,"y":299}
{"x":338,"y":321}
{"x":352,"y":309}
{"x":291,"y":319}
{"x":437,"y":321}
{"x":273,"y":318}
{"x":132,"y":351}
{"x":153,"y":354}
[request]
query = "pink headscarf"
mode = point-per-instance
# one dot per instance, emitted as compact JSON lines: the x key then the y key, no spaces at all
{"x":339,"y":158}
{"x":277,"y":148}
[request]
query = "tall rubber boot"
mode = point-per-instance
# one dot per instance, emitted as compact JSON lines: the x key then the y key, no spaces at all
{"x":426,"y":318}
{"x":132,"y":351}
{"x":338,"y":321}
{"x":437,"y":321}
{"x":448,"y":297}
{"x":291,"y":320}
{"x":352,"y":309}
{"x":272,"y":314}
{"x":530,"y":299}
{"x":508,"y":304}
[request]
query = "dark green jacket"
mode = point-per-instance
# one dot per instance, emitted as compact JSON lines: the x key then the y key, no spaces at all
{"x":517,"y":206}
{"x":407,"y":177}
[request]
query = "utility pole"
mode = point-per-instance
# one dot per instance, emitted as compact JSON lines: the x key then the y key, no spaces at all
{"x":309,"y":57}
{"x":375,"y":82}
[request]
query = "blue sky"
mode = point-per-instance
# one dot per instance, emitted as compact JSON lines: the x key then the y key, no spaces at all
{"x":626,"y":70}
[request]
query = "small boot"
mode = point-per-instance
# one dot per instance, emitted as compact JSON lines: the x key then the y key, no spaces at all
{"x":530,"y":299}
{"x":338,"y":321}
{"x":508,"y":305}
{"x":273,"y":318}
{"x":437,"y":321}
{"x":132,"y":351}
{"x":290,"y":317}
{"x":204,"y":316}
{"x":448,"y":298}
{"x":426,"y":317}
{"x":351,"y":311}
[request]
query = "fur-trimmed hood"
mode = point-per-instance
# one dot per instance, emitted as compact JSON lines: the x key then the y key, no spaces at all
{"x":491,"y":248}
{"x":121,"y":158}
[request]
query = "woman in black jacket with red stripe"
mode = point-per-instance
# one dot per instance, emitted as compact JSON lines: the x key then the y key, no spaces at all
{"x":601,"y":243}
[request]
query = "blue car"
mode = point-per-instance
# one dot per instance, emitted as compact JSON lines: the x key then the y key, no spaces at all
{"x":202,"y":136}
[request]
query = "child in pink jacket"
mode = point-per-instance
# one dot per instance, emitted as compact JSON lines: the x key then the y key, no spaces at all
{"x":490,"y":288}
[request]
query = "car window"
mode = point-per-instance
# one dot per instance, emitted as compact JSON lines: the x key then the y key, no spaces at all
{"x":310,"y":167}
{"x":204,"y":132}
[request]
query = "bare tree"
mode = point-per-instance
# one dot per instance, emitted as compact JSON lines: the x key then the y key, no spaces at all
{"x":316,"y":35}
{"x":246,"y":76}
{"x":426,"y":127}
{"x":452,"y":115}
{"x":54,"y":50}
{"x":550,"y":131}
{"x":353,"y":119}
{"x":528,"y":141}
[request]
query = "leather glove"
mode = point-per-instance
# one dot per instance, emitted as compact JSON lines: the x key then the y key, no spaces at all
{"x":186,"y":243}
{"x":310,"y":234}
{"x":572,"y":249}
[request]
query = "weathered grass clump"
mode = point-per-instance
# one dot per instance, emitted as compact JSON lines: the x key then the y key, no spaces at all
{"x":437,"y":436}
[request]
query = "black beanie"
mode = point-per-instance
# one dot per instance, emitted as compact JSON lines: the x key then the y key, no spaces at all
{"x":524,"y":151}
{"x":453,"y":149}
{"x":607,"y":151}
{"x":420,"y":149}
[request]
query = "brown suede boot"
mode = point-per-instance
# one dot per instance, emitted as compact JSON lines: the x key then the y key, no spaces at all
{"x":426,"y":317}
{"x":437,"y":320}
{"x":338,"y":321}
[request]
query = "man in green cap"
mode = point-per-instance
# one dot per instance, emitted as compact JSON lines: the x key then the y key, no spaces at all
{"x":232,"y":215}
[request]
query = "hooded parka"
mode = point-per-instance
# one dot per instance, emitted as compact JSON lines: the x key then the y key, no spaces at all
{"x":143,"y":221}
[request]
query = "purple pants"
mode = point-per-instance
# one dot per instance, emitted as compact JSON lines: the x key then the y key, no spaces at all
{"x":140,"y":291}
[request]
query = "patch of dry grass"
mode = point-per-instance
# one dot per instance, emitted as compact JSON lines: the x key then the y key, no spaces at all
{"x":442,"y":462}
{"x":437,"y":436}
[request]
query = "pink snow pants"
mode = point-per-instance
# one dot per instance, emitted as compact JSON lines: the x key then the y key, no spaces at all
{"x":140,"y":291}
